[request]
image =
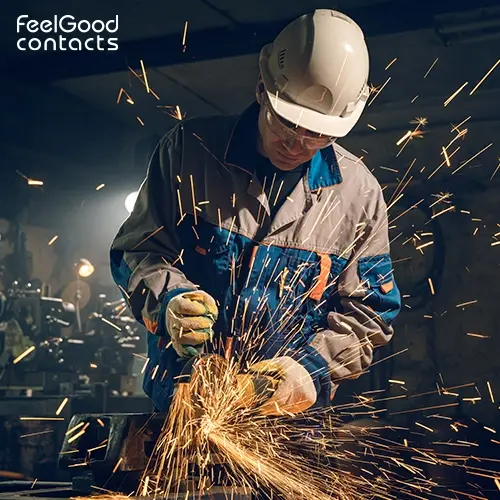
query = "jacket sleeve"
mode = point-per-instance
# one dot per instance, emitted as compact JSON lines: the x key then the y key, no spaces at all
{"x":144,"y":251}
{"x":370,"y":301}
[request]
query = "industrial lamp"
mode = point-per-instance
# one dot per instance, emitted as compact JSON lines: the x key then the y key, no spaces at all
{"x":130,"y":201}
{"x":84,"y":268}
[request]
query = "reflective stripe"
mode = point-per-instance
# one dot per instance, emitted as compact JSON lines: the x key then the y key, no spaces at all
{"x":200,"y":250}
{"x":252,"y":257}
{"x":319,"y":287}
{"x":151,"y":326}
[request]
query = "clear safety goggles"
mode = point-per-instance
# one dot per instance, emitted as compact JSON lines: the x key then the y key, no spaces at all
{"x":288,"y":132}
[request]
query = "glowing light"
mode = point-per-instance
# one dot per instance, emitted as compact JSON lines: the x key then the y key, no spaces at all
{"x":85,"y":268}
{"x":130,"y":201}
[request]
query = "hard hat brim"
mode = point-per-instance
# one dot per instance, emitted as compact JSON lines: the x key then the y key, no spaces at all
{"x":327,"y":125}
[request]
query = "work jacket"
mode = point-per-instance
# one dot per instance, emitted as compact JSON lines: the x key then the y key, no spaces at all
{"x":314,"y":282}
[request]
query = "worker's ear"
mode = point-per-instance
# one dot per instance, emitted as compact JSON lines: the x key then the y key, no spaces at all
{"x":260,"y":90}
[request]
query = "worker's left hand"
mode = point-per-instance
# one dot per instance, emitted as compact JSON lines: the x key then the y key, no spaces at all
{"x":190,"y":318}
{"x":295,"y":391}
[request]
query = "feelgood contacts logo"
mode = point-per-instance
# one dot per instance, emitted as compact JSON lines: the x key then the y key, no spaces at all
{"x":66,"y":33}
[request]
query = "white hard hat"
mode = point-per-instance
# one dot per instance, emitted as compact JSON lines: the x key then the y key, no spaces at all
{"x":316,"y":72}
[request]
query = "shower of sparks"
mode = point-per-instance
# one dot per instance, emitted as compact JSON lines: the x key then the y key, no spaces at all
{"x":99,"y":187}
{"x":455,"y":94}
{"x":53,"y":240}
{"x":484,"y":77}
{"x":294,"y":458}
{"x":207,"y":419}
{"x":391,"y":63}
{"x":432,"y":66}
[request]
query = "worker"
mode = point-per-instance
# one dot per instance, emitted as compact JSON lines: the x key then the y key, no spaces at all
{"x":261,"y":233}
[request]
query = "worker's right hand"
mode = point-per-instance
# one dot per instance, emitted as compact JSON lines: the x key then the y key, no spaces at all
{"x":277,"y":386}
{"x":190,"y":317}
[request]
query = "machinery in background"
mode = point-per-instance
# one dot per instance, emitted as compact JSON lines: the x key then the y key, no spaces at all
{"x":47,"y":348}
{"x":35,"y":355}
{"x":104,"y":352}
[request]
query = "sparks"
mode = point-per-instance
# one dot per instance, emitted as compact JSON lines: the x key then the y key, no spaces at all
{"x":377,"y":92}
{"x":464,"y":304}
{"x":391,"y":63}
{"x":490,"y":391}
{"x":184,"y":35}
{"x":432,"y":65}
{"x":470,"y":159}
{"x":61,"y":406}
{"x":140,"y":121}
{"x":99,"y":187}
{"x":455,"y":94}
{"x":32,"y":182}
{"x":484,"y":77}
{"x":144,"y":74}
{"x":421,"y":121}
{"x":446,"y":158}
{"x":406,"y":136}
{"x":53,"y":240}
{"x":496,"y":170}
{"x":27,"y":352}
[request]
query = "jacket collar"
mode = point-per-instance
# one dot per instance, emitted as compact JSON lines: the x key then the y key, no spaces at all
{"x":323,"y":170}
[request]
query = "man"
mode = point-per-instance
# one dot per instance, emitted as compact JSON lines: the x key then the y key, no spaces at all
{"x":260,"y":233}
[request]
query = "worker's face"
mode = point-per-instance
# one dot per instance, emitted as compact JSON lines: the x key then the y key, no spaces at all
{"x":286,"y":145}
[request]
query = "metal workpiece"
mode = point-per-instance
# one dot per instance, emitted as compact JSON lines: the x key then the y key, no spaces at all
{"x":113,"y":451}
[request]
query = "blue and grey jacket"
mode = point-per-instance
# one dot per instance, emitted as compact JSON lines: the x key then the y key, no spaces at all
{"x":314,"y":282}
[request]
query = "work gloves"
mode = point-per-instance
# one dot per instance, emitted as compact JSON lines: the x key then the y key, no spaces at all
{"x":277,"y":386}
{"x":190,"y":317}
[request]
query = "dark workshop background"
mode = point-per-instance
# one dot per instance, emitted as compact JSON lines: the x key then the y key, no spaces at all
{"x":61,"y":124}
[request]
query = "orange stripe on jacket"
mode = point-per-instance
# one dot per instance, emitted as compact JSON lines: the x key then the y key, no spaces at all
{"x":325,"y":265}
{"x":151,"y":326}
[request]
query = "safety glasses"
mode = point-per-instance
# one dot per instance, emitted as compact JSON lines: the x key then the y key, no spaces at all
{"x":288,"y":132}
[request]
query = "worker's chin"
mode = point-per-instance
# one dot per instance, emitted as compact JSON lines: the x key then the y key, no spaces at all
{"x":283,"y":163}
